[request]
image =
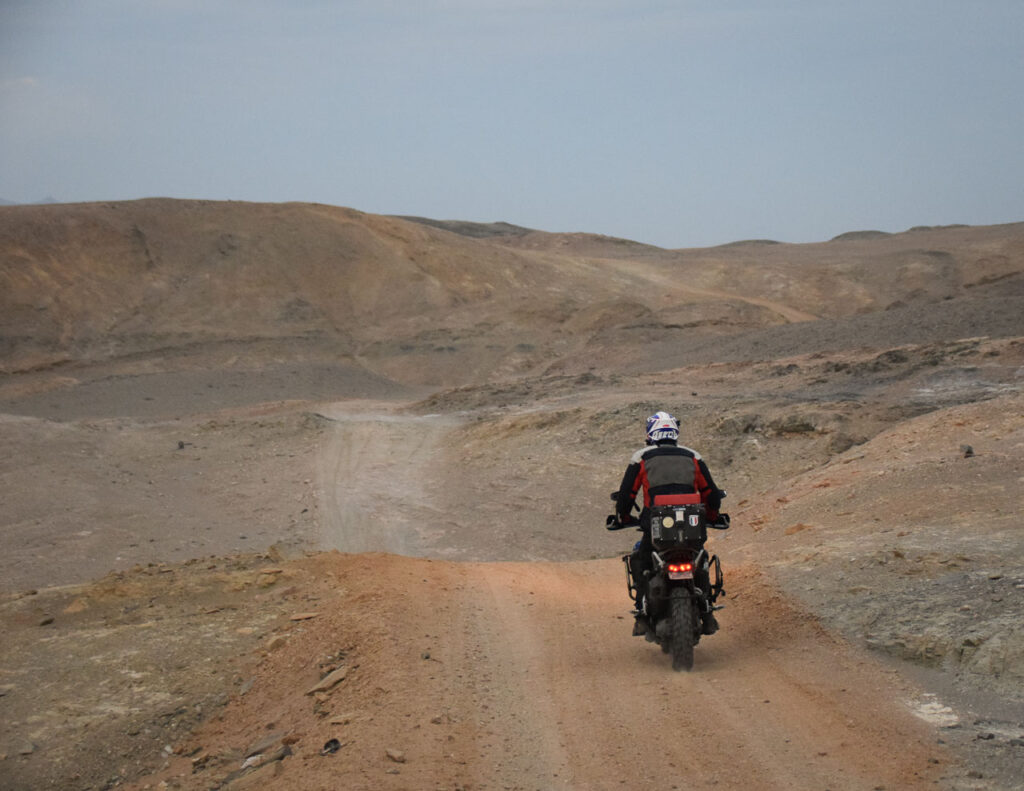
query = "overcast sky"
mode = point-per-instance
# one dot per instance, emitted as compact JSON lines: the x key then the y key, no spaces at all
{"x":671,"y":122}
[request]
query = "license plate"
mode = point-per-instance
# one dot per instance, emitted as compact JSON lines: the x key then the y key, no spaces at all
{"x":680,"y":575}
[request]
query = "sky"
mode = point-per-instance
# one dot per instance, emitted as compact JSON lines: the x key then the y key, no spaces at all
{"x":670,"y":122}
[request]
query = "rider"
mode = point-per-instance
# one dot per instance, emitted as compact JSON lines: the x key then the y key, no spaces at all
{"x":670,"y":474}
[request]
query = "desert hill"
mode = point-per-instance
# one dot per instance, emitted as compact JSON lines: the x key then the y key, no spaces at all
{"x":254,"y":448}
{"x":426,"y":306}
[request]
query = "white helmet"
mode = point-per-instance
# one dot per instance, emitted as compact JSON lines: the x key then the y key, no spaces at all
{"x":662,"y":426}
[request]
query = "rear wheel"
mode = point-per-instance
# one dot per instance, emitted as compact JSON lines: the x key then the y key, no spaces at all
{"x":682,"y":625}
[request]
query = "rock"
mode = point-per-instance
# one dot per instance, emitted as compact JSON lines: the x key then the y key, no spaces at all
{"x":46,"y":620}
{"x":257,"y":770}
{"x":395,"y":755}
{"x":1000,"y":656}
{"x":264,"y":744}
{"x":78,"y":605}
{"x":967,"y":451}
{"x":253,"y":760}
{"x":329,"y":681}
{"x":330,"y":746}
{"x":257,"y":779}
{"x":26,"y":749}
{"x":276,"y":642}
{"x":305,"y":616}
{"x":793,"y":424}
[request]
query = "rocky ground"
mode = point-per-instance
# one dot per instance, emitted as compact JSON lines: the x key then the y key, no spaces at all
{"x":249,"y":562}
{"x":861,"y":515}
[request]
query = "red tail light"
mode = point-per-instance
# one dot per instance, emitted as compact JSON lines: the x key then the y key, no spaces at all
{"x":677,"y":567}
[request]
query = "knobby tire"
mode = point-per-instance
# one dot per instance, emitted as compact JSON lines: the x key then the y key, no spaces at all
{"x":682,"y":625}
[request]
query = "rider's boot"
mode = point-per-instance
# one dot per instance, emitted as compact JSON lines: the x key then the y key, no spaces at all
{"x":710,"y":625}
{"x":641,"y":625}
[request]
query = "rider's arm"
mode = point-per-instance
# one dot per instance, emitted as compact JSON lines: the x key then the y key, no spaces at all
{"x":708,"y":491}
{"x":627,"y":491}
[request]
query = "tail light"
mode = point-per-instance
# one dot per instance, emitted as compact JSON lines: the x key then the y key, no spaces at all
{"x":676,"y":568}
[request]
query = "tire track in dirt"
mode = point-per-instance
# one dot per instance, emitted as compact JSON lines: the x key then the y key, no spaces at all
{"x":375,"y":479}
{"x":570,"y":700}
{"x":524,"y":677}
{"x":542,"y":687}
{"x":536,"y":683}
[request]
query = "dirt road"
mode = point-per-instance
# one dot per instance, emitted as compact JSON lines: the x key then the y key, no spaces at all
{"x":374,"y":479}
{"x":525,"y":676}
{"x":569,"y":700}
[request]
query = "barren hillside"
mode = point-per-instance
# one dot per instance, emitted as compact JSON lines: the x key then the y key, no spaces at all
{"x":244,"y":283}
{"x":252,"y":449}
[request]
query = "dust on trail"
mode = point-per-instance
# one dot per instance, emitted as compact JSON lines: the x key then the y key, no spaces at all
{"x":376,"y":478}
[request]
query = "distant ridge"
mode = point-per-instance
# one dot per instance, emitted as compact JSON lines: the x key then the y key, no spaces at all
{"x":852,"y":236}
{"x":475,"y":230}
{"x":936,"y":227}
{"x":427,"y":305}
{"x":857,"y":236}
{"x":746,"y":242}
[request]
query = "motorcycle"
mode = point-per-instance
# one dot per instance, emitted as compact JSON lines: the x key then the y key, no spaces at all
{"x":681,"y":597}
